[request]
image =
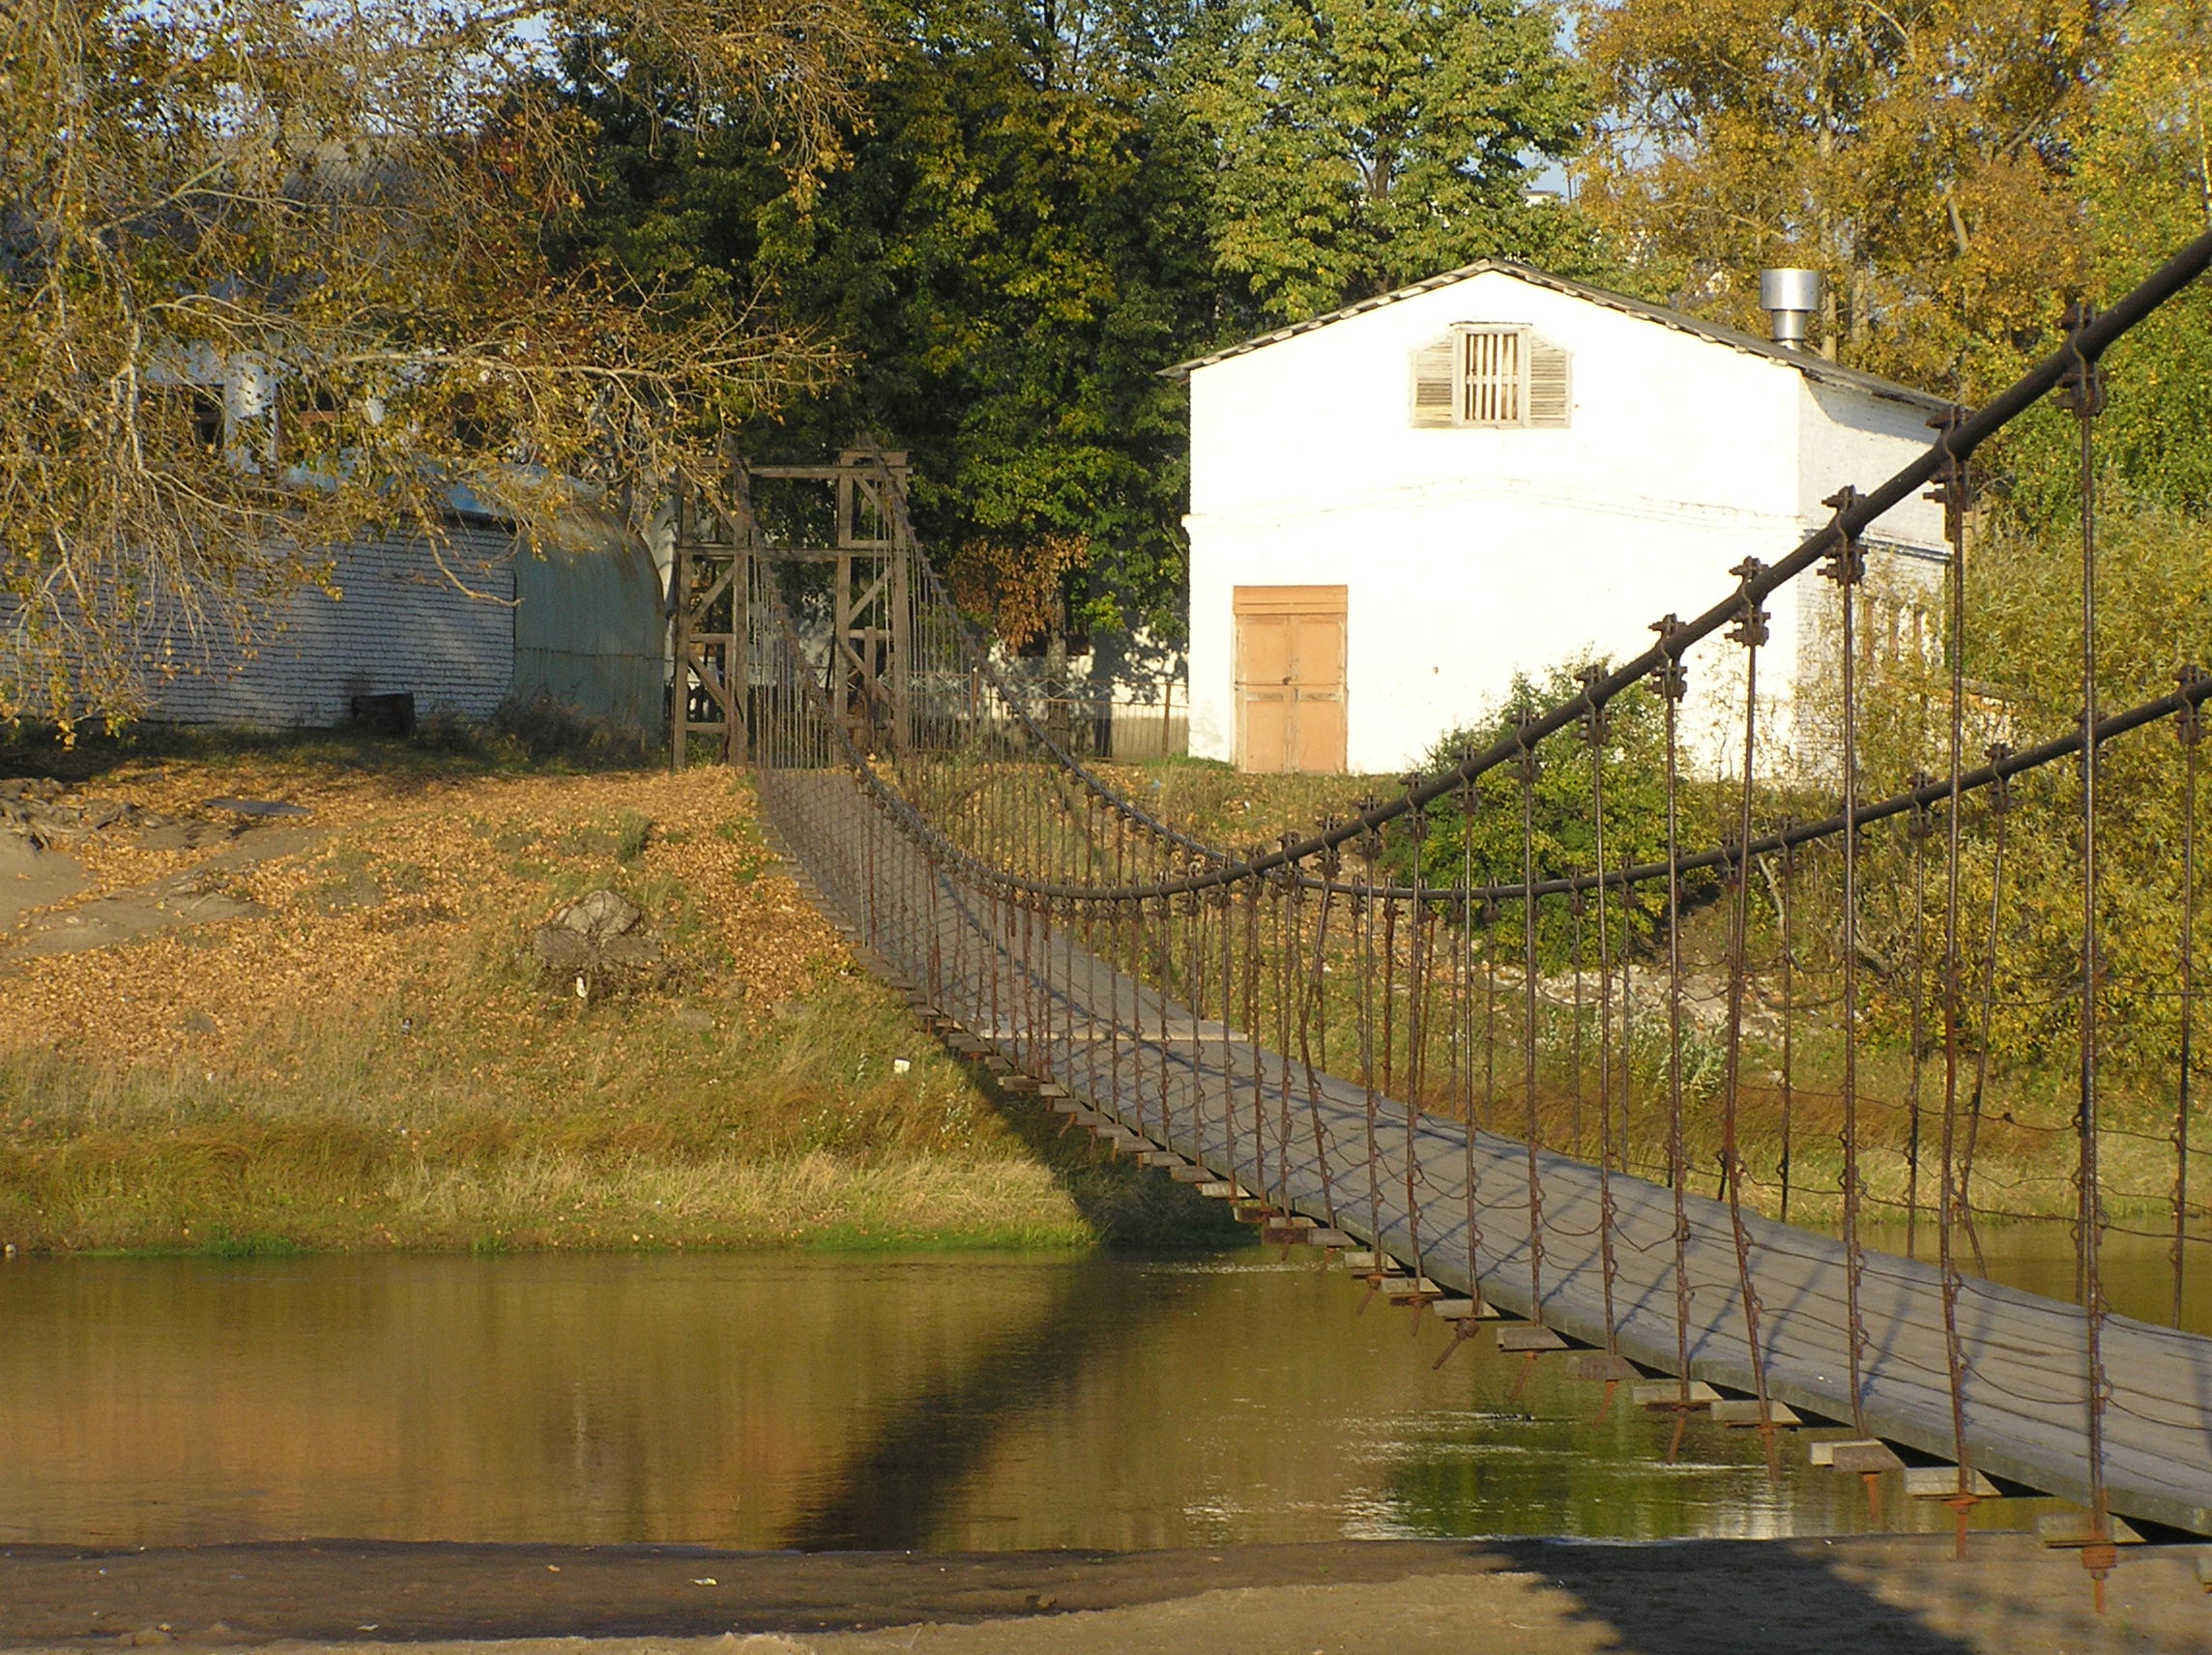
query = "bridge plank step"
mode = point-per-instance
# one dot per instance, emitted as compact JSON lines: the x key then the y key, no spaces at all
{"x":1190,"y":1172}
{"x":1461,"y":1310}
{"x":1373,"y":1262}
{"x":1941,"y":1482}
{"x":1406,"y":1290}
{"x":1869,"y":1456}
{"x":1602,"y":1365}
{"x":1220,"y":1190}
{"x":1668,"y":1393}
{"x":1741,"y":1413}
{"x":2071,"y":1531}
{"x":1530,"y":1336}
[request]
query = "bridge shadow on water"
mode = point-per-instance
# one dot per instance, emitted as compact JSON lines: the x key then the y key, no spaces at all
{"x":889,"y":1493}
{"x":899,"y":1489}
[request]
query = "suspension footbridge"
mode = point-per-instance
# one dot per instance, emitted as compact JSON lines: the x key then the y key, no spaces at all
{"x":1486,"y":1090}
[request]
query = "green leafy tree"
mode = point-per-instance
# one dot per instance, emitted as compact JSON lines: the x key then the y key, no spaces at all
{"x":2146,"y":185}
{"x":1008,"y":260}
{"x":1358,"y":145}
{"x":1484,"y":846}
{"x":2023,"y":665}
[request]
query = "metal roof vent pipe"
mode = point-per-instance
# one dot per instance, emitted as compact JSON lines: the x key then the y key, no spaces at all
{"x":1789,"y":297}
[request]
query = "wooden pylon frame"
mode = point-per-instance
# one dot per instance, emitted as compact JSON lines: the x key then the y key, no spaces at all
{"x":709,"y":591}
{"x":868,"y":682}
{"x":872,"y":588}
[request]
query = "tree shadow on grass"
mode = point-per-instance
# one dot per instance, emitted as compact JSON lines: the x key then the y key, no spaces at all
{"x":441,"y":749}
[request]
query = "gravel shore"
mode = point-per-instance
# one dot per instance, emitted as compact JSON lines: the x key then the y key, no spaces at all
{"x":1862,"y":1595}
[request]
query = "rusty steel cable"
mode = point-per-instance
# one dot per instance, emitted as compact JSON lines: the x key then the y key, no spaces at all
{"x":2081,"y":392}
{"x":1786,"y":902}
{"x":1594,"y":734}
{"x":1532,"y":1131}
{"x":1751,"y":633}
{"x":1920,"y":826}
{"x":2190,"y":727}
{"x":1954,"y":493}
{"x":1847,"y":568}
{"x":1672,"y":683}
{"x":1999,"y":808}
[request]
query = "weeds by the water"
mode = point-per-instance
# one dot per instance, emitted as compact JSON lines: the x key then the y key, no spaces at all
{"x":376,"y":1061}
{"x":621,"y":1128}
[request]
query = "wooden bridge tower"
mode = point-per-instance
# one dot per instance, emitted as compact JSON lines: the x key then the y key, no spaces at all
{"x":708,"y":593}
{"x":871,"y":598}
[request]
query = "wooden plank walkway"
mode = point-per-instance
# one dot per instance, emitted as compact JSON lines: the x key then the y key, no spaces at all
{"x":1251,"y":1117}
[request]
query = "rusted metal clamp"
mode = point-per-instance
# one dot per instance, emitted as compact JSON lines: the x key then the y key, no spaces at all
{"x":1846,"y":566}
{"x":2189,"y":722}
{"x":1750,"y":629}
{"x":1669,"y":676}
{"x":2081,"y":388}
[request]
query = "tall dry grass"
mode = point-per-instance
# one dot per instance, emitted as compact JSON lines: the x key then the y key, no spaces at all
{"x":375,"y":1059}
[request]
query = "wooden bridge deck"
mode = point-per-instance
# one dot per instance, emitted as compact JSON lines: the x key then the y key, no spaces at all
{"x":1198,"y":1088}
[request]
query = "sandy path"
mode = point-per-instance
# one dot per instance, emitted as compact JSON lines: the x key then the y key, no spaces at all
{"x":1866,"y":1596}
{"x":31,"y":878}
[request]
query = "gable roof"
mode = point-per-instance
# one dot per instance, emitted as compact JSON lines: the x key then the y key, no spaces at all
{"x":1811,"y":366}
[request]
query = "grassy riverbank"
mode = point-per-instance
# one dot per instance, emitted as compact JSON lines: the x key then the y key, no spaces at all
{"x":362,"y":1052}
{"x":329,"y":1030}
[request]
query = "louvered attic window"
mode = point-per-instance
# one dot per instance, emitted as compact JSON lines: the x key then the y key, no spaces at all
{"x":1487,"y":374}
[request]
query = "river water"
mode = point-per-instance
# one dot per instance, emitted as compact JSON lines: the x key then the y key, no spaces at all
{"x":947,"y":1401}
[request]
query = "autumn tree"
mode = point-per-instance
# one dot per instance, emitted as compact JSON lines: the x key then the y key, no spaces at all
{"x":1015,"y":589}
{"x":2147,"y":177}
{"x":2142,"y":188}
{"x":1922,"y":157}
{"x":1358,"y":145}
{"x":271,"y":272}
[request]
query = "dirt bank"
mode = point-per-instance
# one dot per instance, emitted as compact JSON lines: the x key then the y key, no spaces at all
{"x":1862,"y":1596}
{"x":297,"y":995}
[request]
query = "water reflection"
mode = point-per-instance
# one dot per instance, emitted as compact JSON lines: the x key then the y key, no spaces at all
{"x":781,"y":1401}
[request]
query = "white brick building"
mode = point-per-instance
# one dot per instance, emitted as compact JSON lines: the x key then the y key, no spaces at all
{"x":1398,"y":506}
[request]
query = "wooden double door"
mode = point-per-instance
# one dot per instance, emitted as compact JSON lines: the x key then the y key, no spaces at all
{"x":1290,"y":678}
